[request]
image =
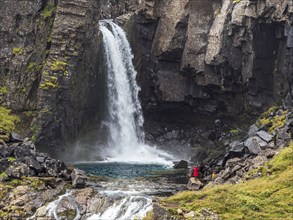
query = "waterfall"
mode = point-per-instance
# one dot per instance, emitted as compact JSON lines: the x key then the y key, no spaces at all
{"x":125,"y":120}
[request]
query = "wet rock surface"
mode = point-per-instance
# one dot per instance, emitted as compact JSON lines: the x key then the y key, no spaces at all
{"x":30,"y":179}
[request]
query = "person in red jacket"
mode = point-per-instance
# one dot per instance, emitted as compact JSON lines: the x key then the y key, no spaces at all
{"x":195,"y":171}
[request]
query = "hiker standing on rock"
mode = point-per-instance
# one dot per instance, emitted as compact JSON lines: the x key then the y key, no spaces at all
{"x":193,"y":182}
{"x":195,"y":170}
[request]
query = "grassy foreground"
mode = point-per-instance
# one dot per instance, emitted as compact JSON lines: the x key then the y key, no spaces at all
{"x":269,"y":197}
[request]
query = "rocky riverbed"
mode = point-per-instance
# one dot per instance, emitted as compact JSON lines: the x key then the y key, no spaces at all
{"x":37,"y":186}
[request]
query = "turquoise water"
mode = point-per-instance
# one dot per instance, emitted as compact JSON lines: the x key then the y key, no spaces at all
{"x":122,"y":170}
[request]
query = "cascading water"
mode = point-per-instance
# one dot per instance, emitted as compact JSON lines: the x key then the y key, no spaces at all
{"x":125,"y":121}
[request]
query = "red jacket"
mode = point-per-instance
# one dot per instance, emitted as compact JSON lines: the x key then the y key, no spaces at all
{"x":195,"y":171}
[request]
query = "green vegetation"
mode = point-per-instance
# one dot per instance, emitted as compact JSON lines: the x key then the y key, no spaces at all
{"x":49,"y":82}
{"x":3,"y":176}
{"x":3,"y":90}
{"x":33,"y":67}
{"x":17,"y":51}
{"x":11,"y":159}
{"x":236,"y":1}
{"x":34,"y":182}
{"x":149,"y":216}
{"x":49,"y":10}
{"x":272,"y":122}
{"x":269,"y":197}
{"x":7,"y":121}
{"x":59,"y":66}
{"x":234,"y":132}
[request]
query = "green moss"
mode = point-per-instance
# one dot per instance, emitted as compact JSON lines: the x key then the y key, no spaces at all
{"x":34,"y":182}
{"x":3,"y":90}
{"x":48,"y":84}
{"x":7,"y":120}
{"x":277,"y":122}
{"x":11,"y":159}
{"x":49,"y":10}
{"x":17,"y":51}
{"x":59,"y":66}
{"x":50,"y":81}
{"x":269,"y":112}
{"x":33,"y":67}
{"x":149,"y":216}
{"x":15,"y":182}
{"x":269,"y":197}
{"x":272,"y":122}
{"x":234,"y":131}
{"x":3,"y":176}
{"x":68,"y":214}
{"x":3,"y":192}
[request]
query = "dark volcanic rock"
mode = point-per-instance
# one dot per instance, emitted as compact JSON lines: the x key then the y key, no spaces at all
{"x":181,"y":165}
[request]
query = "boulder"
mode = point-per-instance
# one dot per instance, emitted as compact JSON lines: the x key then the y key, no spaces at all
{"x":236,"y":168}
{"x":19,"y":170}
{"x":14,"y":137}
{"x":237,"y":150}
{"x":282,"y":134}
{"x":252,"y":130}
{"x":226,"y":174}
{"x":269,"y":153}
{"x":259,"y":161}
{"x":265,"y":136}
{"x":232,"y":162}
{"x":78,"y":178}
{"x":194,"y":184}
{"x":252,"y":145}
{"x":182,"y":164}
{"x":67,"y":208}
{"x":189,"y":215}
{"x":34,"y":164}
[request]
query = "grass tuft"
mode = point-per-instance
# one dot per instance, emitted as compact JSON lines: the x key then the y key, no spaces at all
{"x":269,"y":197}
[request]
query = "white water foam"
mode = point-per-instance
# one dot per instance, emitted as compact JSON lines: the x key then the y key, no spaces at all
{"x":133,"y":207}
{"x":125,"y":121}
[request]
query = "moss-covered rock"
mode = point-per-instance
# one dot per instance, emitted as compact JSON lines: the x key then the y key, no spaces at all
{"x":7,"y":122}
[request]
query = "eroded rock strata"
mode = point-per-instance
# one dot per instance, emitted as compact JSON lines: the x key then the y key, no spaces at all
{"x":193,"y":57}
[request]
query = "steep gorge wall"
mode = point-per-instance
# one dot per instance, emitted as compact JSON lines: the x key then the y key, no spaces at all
{"x":49,"y":65}
{"x":208,"y":56}
{"x":215,"y":56}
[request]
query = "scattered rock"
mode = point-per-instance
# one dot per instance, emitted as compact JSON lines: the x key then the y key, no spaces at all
{"x":226,"y":173}
{"x":265,"y":136}
{"x":194,"y":184}
{"x":259,"y":161}
{"x":252,"y":145}
{"x":181,"y":165}
{"x":208,"y":214}
{"x":78,"y":178}
{"x":189,"y":215}
{"x":269,"y":153}
{"x":14,"y":137}
{"x":232,"y":162}
{"x":252,"y":130}
{"x":179,"y":212}
{"x":159,"y":213}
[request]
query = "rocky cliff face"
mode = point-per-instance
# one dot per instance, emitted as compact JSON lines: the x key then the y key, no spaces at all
{"x":207,"y":56}
{"x":50,"y":52}
{"x":215,"y":56}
